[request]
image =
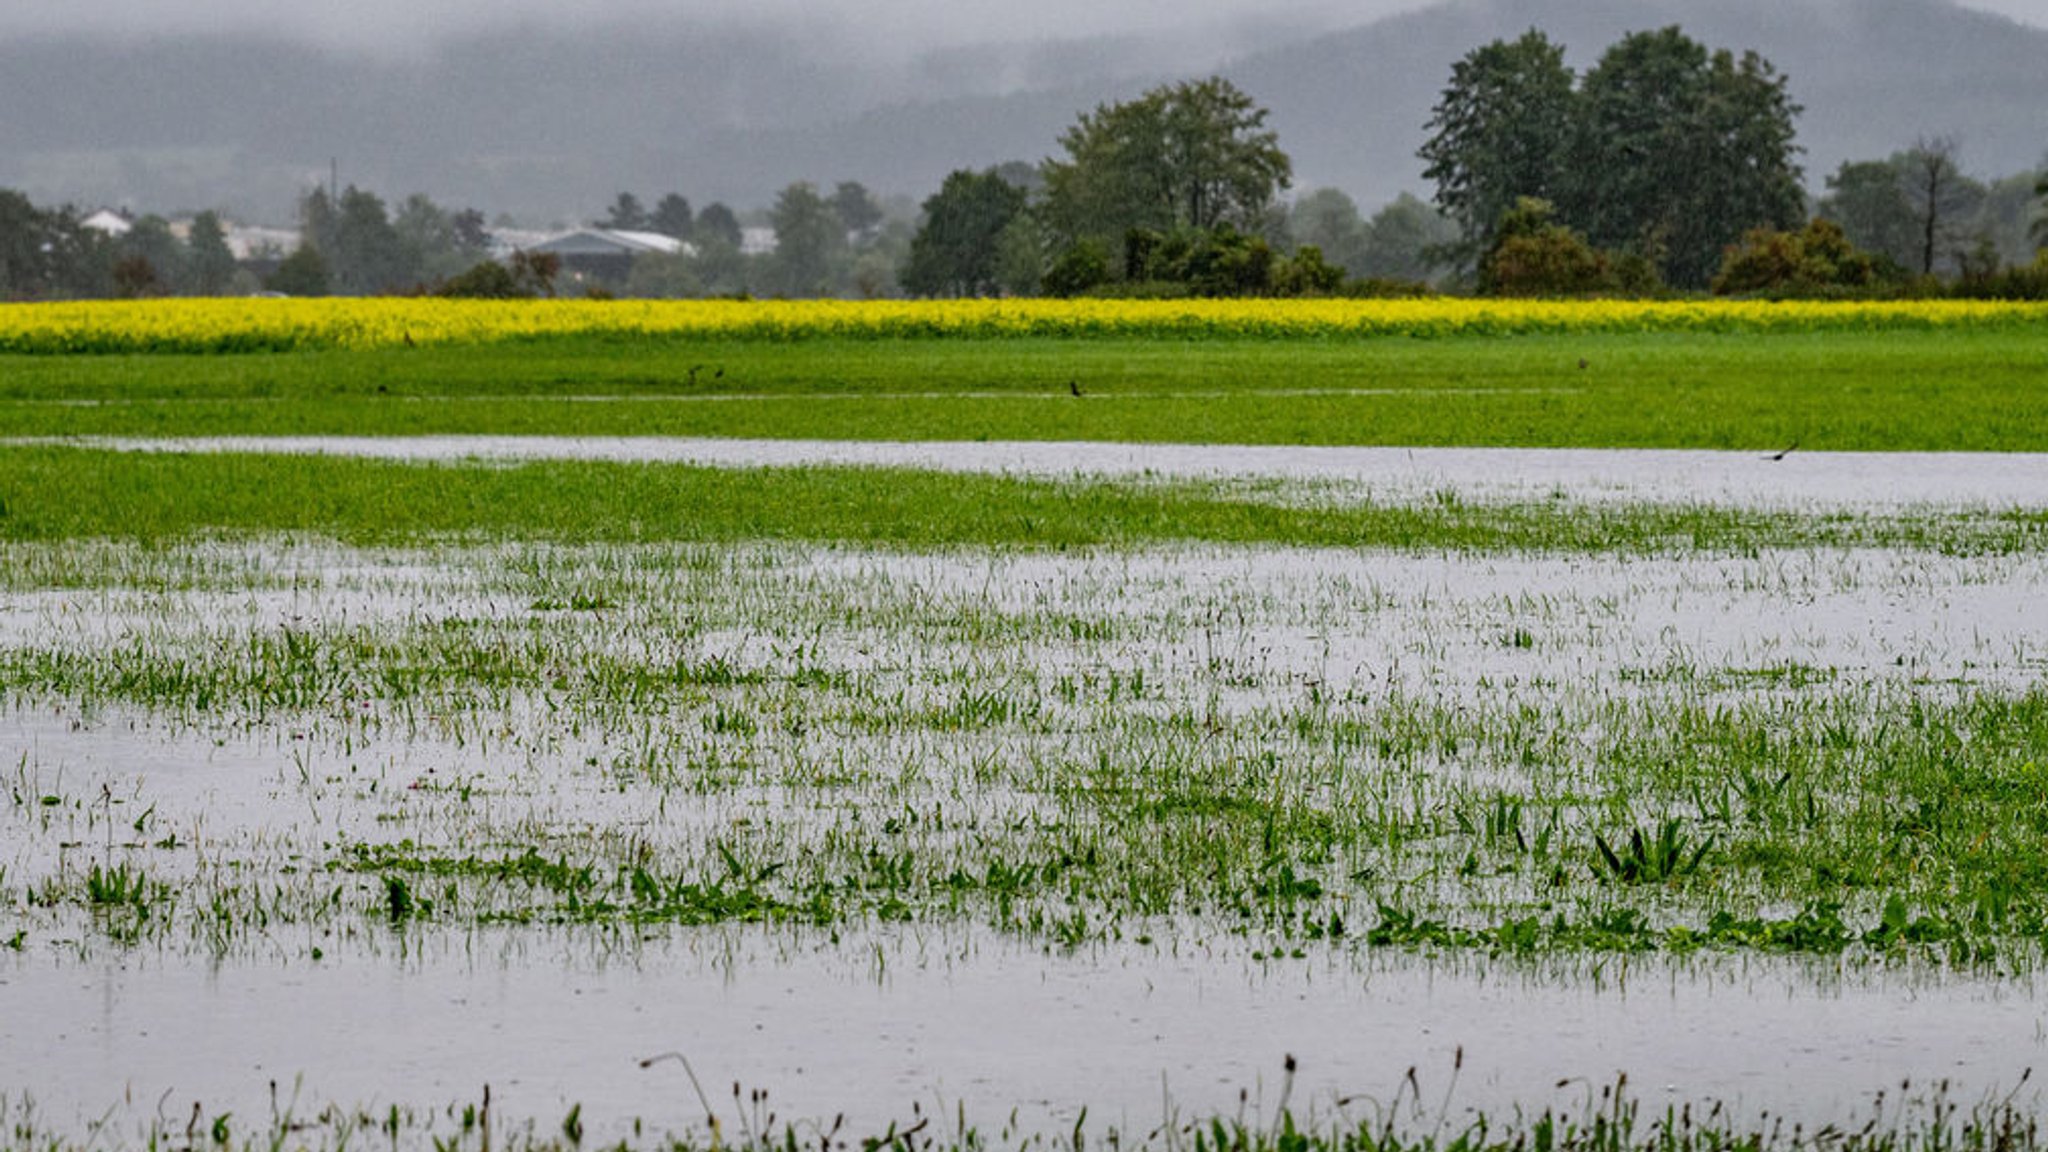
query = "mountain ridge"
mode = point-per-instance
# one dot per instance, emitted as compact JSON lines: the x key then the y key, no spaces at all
{"x":549,"y":127}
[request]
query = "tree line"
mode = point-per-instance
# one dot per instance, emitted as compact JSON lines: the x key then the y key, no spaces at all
{"x":1665,"y":166}
{"x":52,"y":253}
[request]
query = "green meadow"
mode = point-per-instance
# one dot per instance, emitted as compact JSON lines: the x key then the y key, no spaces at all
{"x":1899,"y":390}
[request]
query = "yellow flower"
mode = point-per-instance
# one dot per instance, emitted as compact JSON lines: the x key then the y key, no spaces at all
{"x":238,"y":325}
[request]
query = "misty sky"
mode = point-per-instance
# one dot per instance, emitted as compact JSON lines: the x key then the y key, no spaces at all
{"x":914,"y":24}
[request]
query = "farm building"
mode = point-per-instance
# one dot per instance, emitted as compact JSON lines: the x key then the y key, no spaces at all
{"x":606,"y":254}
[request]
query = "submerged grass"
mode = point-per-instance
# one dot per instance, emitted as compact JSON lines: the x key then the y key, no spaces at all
{"x":49,"y":494}
{"x":1071,"y":750}
{"x":1609,"y":1117}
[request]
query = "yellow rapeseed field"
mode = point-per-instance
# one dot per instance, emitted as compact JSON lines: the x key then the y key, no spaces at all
{"x":232,"y":325}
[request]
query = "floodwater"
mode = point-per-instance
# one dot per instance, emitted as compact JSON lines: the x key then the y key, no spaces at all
{"x":939,"y":1016}
{"x":992,"y":1029}
{"x":1791,"y":480}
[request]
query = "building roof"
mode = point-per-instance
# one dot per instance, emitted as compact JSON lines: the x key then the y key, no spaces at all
{"x":108,"y":221}
{"x":609,"y":242}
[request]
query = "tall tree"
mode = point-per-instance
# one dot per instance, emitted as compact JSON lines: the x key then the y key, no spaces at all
{"x":369,"y":255}
{"x":1502,"y":131}
{"x":1194,"y":155}
{"x":24,"y":246}
{"x":210,"y":263}
{"x":430,"y":249}
{"x":808,"y":241}
{"x":1328,"y":219}
{"x":672,"y":217}
{"x":958,"y":247}
{"x":152,"y":258}
{"x":2039,"y":229}
{"x":1868,"y":199}
{"x":625,"y":214}
{"x":472,"y":233}
{"x":1405,"y":240}
{"x":1682,"y":152}
{"x":1939,"y":194}
{"x":718,"y":222}
{"x":319,"y":222}
{"x":856,"y":208}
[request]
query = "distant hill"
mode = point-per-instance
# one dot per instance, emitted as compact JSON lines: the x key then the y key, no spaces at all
{"x":1872,"y":74}
{"x":551,"y":126}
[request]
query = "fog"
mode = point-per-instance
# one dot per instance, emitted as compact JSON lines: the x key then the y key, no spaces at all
{"x":545,"y":109}
{"x":902,"y":25}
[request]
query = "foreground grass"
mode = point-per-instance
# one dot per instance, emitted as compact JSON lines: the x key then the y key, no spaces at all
{"x":49,"y":494}
{"x":1849,"y":390}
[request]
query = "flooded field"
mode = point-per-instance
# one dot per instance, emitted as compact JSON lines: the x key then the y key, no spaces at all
{"x":896,"y":833}
{"x":1786,"y":478}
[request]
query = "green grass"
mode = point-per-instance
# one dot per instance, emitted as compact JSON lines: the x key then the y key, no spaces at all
{"x":1937,"y":391}
{"x":64,"y":493}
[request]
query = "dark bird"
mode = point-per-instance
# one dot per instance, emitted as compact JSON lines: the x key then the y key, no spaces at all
{"x":1074,"y":386}
{"x":1583,"y":364}
{"x":1787,"y":452}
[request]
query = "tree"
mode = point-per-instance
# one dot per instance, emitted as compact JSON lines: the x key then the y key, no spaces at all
{"x":472,"y":234}
{"x":210,"y":263}
{"x":150,"y":258}
{"x":366,"y":254}
{"x":1405,"y":240}
{"x":24,"y":259}
{"x":625,"y":214}
{"x":1328,"y":221}
{"x":303,"y":273}
{"x":719,"y":264}
{"x":1868,"y":199}
{"x":2039,"y":229}
{"x":857,"y":211}
{"x":808,"y":241}
{"x":1683,"y":152}
{"x":1022,"y":251}
{"x":672,"y":217}
{"x":431,"y":249}
{"x":1939,"y":195}
{"x":1194,"y":155}
{"x":958,"y":247}
{"x":664,"y":276}
{"x":319,"y":222}
{"x":717,"y":221}
{"x":2004,"y":211}
{"x":1501,"y":131}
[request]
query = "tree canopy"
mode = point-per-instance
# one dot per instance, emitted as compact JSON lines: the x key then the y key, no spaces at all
{"x":1194,"y":155}
{"x":958,"y":248}
{"x":1664,"y":149}
{"x":1502,"y":132}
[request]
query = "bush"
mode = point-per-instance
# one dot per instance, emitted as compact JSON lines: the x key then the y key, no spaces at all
{"x":1077,"y":270}
{"x":1533,"y":256}
{"x":1818,"y":260}
{"x":303,"y":273}
{"x":1306,"y":273}
{"x":488,"y":280}
{"x":2026,"y":282}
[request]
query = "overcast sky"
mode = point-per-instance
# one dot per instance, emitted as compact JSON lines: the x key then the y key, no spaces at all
{"x":922,"y":23}
{"x":914,"y":23}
